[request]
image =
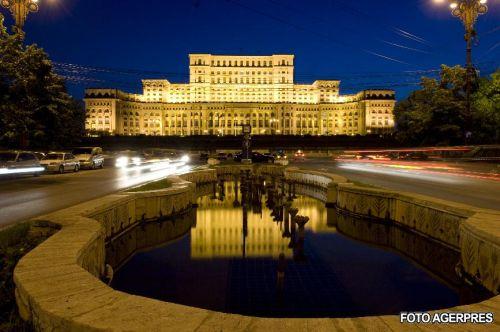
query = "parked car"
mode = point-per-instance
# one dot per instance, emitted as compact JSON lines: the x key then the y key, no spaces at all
{"x":414,"y":156}
{"x":256,"y":157}
{"x":39,"y":155}
{"x":89,"y":157}
{"x":19,"y":162}
{"x":221,"y":156}
{"x":203,"y":157}
{"x":483,"y":154}
{"x":60,"y":162}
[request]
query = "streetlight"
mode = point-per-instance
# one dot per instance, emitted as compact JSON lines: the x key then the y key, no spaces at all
{"x":468,"y":12}
{"x":20,"y":10}
{"x":273,"y":123}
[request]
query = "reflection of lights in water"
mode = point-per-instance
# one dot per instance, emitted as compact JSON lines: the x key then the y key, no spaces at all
{"x":219,"y":228}
{"x":7,"y":171}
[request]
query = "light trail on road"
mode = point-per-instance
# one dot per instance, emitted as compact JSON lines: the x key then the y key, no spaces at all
{"x":476,"y":184}
{"x":28,"y":197}
{"x":408,"y":173}
{"x":419,"y":170}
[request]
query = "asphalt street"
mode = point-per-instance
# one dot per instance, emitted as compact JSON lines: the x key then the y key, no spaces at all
{"x":477,"y":185}
{"x":474,"y":184}
{"x":28,"y":197}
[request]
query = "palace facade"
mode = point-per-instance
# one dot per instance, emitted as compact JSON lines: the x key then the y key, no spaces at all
{"x":225,"y":92}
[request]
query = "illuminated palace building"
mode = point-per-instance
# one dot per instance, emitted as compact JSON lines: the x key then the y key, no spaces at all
{"x":225,"y":92}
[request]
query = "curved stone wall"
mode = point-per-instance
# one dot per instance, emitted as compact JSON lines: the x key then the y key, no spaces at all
{"x":58,"y":285}
{"x":474,"y":232}
{"x":324,"y":180}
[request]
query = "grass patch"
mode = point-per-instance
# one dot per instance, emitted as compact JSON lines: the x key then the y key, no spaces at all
{"x":156,"y":185}
{"x":15,"y":242}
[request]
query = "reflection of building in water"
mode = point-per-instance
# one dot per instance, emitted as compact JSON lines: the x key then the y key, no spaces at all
{"x":219,"y":228}
{"x":219,"y":232}
{"x":316,"y":212}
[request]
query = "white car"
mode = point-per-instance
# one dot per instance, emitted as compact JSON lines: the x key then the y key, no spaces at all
{"x":19,"y":162}
{"x":60,"y":162}
{"x":90,"y":157}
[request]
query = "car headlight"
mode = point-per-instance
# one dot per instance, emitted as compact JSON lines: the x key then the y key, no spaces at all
{"x":136,"y":161}
{"x":122,"y":162}
{"x":185,"y":159}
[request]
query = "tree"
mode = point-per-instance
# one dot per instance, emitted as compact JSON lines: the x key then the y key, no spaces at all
{"x":35,"y":107}
{"x":486,"y":102}
{"x":436,"y":113}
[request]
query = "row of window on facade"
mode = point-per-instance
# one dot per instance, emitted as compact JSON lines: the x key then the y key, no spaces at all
{"x":242,"y":63}
{"x":255,"y":123}
{"x":311,"y":110}
{"x":98,"y":121}
{"x":236,"y":80}
{"x":241,"y":73}
{"x":349,"y":130}
{"x":245,"y":90}
{"x":222,"y":115}
{"x":100,"y":111}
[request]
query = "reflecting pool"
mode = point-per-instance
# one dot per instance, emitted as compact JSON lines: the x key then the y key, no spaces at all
{"x":256,"y":248}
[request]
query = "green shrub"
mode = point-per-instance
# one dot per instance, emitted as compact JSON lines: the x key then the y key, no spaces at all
{"x":15,"y":242}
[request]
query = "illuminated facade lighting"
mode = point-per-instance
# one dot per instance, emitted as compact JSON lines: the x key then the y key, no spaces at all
{"x":225,"y":92}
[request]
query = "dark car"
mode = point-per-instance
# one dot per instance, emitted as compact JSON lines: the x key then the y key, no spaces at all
{"x":203,"y":157}
{"x":414,"y":156}
{"x":256,"y":157}
{"x":483,"y":154}
{"x":222,"y":156}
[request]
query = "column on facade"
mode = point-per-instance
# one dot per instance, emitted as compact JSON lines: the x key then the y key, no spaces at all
{"x":190,"y":112}
{"x":162,"y":122}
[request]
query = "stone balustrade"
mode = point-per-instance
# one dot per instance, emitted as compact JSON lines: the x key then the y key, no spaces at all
{"x":200,"y":176}
{"x":257,"y":169}
{"x":328,"y":181}
{"x":474,"y":232}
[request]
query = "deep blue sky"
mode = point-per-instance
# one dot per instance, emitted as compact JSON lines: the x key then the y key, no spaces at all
{"x":330,"y":38}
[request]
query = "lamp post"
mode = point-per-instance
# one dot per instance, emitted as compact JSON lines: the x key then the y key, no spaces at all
{"x":468,"y":12}
{"x":20,"y":10}
{"x":273,"y":122}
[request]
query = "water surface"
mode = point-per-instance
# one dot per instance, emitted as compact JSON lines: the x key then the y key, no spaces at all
{"x":334,"y":266}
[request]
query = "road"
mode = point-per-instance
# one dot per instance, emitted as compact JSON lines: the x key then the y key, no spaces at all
{"x":28,"y":197}
{"x":474,"y":184}
{"x":24,"y":198}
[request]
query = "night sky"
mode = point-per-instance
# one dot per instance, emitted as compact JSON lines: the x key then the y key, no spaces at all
{"x":116,"y":43}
